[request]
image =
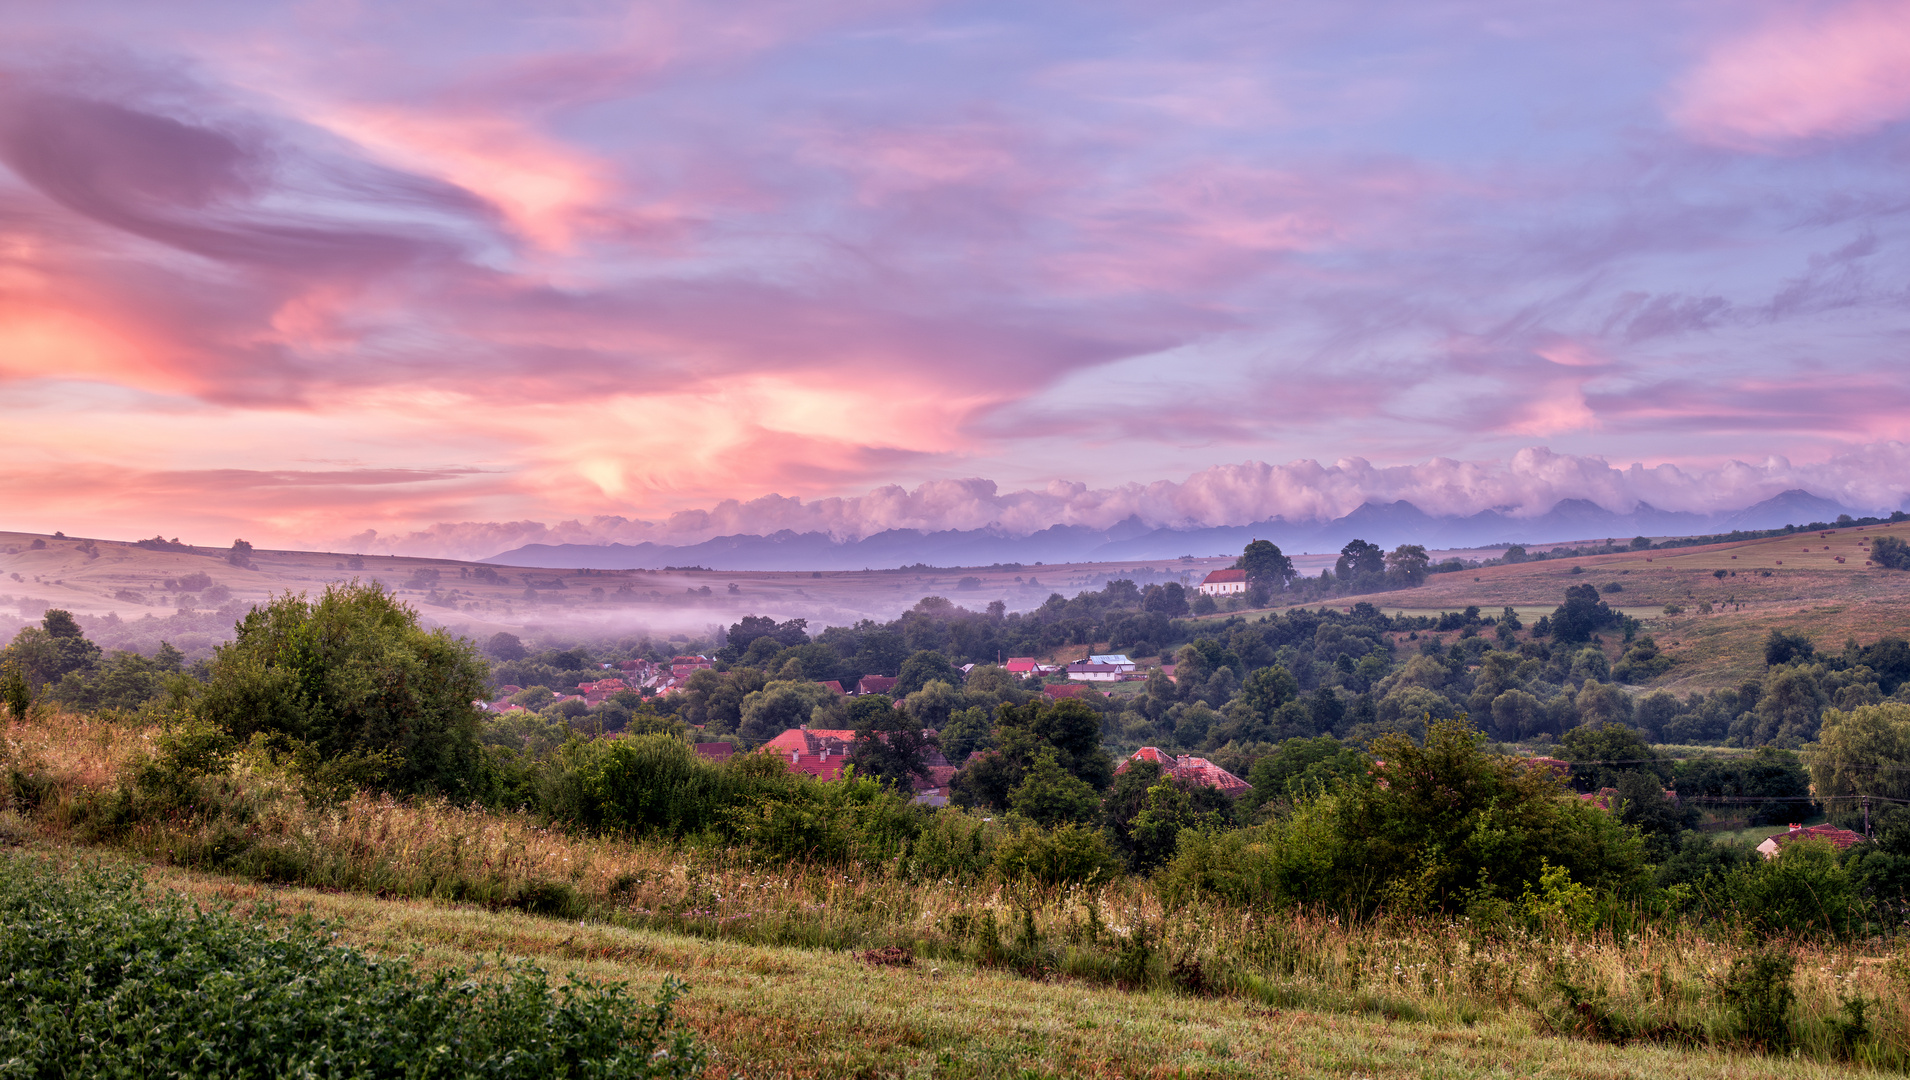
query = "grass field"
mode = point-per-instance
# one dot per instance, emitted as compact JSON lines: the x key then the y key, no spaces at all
{"x":786,"y":1012}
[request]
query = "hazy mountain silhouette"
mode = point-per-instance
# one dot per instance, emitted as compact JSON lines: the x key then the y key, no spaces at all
{"x":1385,"y":524}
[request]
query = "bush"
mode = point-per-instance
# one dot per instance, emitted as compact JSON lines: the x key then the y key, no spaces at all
{"x":353,"y":673}
{"x":107,"y":979}
{"x":1758,"y":995}
{"x":1069,"y":854}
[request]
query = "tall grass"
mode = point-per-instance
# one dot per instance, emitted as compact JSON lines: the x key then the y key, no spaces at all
{"x":71,"y":779}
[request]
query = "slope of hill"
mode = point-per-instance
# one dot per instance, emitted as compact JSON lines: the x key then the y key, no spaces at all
{"x":1816,"y":583}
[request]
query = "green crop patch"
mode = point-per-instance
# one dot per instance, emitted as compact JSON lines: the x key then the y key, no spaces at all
{"x":105,"y":977}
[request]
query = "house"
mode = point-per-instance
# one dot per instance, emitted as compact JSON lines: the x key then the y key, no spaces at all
{"x":1086,"y":671}
{"x":822,"y":752}
{"x":811,"y":741}
{"x":1191,"y":769}
{"x":831,"y":685}
{"x":1838,"y":838}
{"x":681,"y":667}
{"x":716,"y":751}
{"x":1118,"y":660}
{"x":1019,"y":665}
{"x":875,"y":684}
{"x":1224,"y":582}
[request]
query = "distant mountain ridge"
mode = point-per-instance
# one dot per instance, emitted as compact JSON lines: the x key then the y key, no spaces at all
{"x":1385,"y":524}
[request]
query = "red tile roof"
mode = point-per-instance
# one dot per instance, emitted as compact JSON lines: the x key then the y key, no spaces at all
{"x":1840,"y":838}
{"x":811,"y":740}
{"x":716,"y":751}
{"x":1020,"y":665}
{"x":831,"y":684}
{"x":875,"y":684}
{"x":1229,"y":574}
{"x":1194,"y":770}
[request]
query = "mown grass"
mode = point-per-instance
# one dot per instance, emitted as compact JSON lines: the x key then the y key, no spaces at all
{"x":781,"y":1011}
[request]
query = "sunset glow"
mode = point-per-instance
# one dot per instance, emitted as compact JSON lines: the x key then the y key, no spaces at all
{"x":446,"y":278}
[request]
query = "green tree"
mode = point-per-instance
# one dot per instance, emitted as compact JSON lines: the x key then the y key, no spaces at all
{"x":890,"y":745}
{"x":779,"y":706}
{"x":1582,"y":615}
{"x":1266,"y":567}
{"x":1890,"y":552}
{"x":1409,"y":563}
{"x":1789,"y":706}
{"x":1049,"y":795}
{"x":240,"y":555}
{"x":1602,"y":752}
{"x":967,"y":731}
{"x":1450,"y":822}
{"x":923,"y":668}
{"x":1303,"y":767}
{"x":47,"y":653}
{"x":1068,"y":728}
{"x":1861,"y":753}
{"x":352,"y":673}
{"x":15,"y":694}
{"x":504,"y":646}
{"x":1357,"y":558}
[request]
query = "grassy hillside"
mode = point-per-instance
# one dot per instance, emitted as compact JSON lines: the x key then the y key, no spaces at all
{"x":1793,"y":582}
{"x":767,"y":1011}
{"x":997,"y":975}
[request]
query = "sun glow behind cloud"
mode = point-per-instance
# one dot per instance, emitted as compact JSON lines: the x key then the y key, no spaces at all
{"x":293,"y":271}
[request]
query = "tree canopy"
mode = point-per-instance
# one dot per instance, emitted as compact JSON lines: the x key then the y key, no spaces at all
{"x":353,"y":674}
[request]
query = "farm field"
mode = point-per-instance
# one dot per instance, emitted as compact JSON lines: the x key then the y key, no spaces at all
{"x":788,"y":1012}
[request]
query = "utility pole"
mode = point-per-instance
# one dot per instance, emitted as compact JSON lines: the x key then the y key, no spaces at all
{"x":1866,"y":816}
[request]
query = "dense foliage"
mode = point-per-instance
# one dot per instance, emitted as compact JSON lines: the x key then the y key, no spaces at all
{"x":352,"y":675}
{"x":106,"y":978}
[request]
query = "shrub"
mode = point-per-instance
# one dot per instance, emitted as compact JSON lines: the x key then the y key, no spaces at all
{"x":1758,"y":995}
{"x":353,"y":672}
{"x":1066,"y":855}
{"x":107,"y":979}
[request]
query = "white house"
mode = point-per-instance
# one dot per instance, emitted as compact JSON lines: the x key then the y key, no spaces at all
{"x":1119,"y":660}
{"x":1088,"y":671}
{"x":1224,"y":582}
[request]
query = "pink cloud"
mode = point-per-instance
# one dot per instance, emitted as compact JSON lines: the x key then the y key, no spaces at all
{"x":1530,"y":482}
{"x":1814,"y":71}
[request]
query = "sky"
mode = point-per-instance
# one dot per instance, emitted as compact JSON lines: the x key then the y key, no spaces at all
{"x":442,"y":277}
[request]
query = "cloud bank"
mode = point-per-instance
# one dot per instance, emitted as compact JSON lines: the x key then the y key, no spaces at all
{"x":1530,"y":483}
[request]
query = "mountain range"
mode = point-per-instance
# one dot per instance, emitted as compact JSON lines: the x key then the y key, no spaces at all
{"x":1385,"y":524}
